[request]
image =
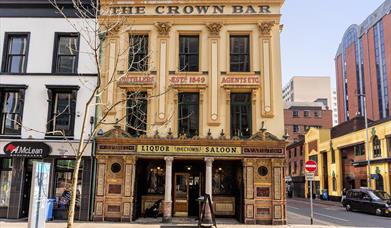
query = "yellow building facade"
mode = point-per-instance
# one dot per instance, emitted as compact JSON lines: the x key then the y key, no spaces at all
{"x":194,"y":91}
{"x":342,"y":157}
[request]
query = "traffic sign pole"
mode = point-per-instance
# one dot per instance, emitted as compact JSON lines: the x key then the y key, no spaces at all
{"x":312,"y":208}
{"x":310,"y":167}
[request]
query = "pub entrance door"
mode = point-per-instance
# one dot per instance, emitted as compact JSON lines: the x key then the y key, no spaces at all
{"x":188,"y":176}
{"x":181,"y":194}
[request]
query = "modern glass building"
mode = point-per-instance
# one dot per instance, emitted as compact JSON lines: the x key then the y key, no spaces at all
{"x":363,"y":66}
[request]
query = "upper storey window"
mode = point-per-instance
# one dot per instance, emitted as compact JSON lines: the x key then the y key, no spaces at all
{"x":189,"y":53}
{"x":15,"y":52}
{"x":136,"y":109}
{"x":239,"y":53}
{"x":11,"y":104}
{"x":62,"y":110}
{"x":138,"y":53}
{"x":241,"y":115}
{"x":188,"y":114}
{"x":66,"y":53}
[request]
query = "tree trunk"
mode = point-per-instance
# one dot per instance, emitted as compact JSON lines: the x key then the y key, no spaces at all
{"x":75,"y":177}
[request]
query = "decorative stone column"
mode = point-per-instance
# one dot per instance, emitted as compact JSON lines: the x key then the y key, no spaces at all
{"x":163,"y":29}
{"x":265,"y":41}
{"x":208,"y":186}
{"x":167,"y":205}
{"x":213,"y":45}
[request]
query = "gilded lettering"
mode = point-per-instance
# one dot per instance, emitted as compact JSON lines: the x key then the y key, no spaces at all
{"x":159,"y":9}
{"x":140,"y":9}
{"x":237,"y":9}
{"x":250,"y":9}
{"x":218,"y":9}
{"x":202,"y":9}
{"x":264,"y":9}
{"x":188,"y":9}
{"x":173,"y":10}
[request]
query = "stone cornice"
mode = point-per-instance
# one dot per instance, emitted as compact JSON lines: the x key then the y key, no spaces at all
{"x":161,"y":2}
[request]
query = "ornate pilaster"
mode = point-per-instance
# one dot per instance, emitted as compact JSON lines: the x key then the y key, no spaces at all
{"x":249,"y":202}
{"x":167,"y":205}
{"x":163,"y":29}
{"x":214,"y":37}
{"x":265,"y":30}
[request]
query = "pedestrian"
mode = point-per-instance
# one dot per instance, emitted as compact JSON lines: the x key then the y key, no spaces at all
{"x":343,"y":196}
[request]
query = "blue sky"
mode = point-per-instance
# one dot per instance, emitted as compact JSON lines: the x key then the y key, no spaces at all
{"x":312,"y":32}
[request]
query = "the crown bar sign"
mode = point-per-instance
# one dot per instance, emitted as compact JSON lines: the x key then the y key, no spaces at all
{"x":27,"y":149}
{"x":191,"y":10}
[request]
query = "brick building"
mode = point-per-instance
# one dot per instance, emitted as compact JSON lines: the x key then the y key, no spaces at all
{"x":363,"y":66}
{"x":300,"y":116}
{"x":295,"y":162}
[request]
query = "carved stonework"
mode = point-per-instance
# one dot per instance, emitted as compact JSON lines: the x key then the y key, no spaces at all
{"x":214,"y":28}
{"x":116,"y":132}
{"x":163,"y":28}
{"x":265,"y":27}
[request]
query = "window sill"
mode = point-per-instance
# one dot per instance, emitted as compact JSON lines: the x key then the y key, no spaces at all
{"x":195,"y":73}
{"x":51,"y":137}
{"x":10,"y":136}
{"x":245,"y":73}
{"x":138,"y":73}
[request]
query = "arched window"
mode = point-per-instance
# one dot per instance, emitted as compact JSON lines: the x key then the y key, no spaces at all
{"x":376,"y":147}
{"x":379,"y":182}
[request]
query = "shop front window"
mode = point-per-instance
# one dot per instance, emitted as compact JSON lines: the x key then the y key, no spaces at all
{"x":155,"y":178}
{"x":64,"y":170}
{"x":223,"y":180}
{"x":5,"y":181}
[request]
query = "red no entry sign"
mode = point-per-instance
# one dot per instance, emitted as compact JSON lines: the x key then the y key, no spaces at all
{"x":310,"y":166}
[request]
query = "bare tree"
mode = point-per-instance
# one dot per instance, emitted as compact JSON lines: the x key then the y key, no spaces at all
{"x":94,"y":32}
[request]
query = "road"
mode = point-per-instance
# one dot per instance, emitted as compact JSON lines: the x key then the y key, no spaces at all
{"x":330,"y":213}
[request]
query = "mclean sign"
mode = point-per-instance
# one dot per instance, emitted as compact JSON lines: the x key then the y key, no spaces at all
{"x":191,"y":10}
{"x":27,"y":149}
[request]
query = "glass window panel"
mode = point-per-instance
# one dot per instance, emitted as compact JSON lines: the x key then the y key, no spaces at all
{"x":189,"y":53}
{"x":239,"y":54}
{"x":138,"y":53}
{"x":66,"y":64}
{"x":67,"y":46}
{"x":16,"y":64}
{"x":137,"y":113}
{"x":181,"y":187}
{"x":64,"y":169}
{"x":188,"y":118}
{"x":10,"y":113}
{"x":5,"y":187}
{"x":17,"y":45}
{"x":241,"y":115}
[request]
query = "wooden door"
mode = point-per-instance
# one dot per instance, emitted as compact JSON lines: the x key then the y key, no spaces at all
{"x":181,"y":194}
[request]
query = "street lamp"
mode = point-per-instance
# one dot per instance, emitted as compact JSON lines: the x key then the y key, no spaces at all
{"x":366,"y":140}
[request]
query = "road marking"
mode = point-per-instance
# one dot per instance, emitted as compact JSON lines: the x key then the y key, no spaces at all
{"x":321,"y":222}
{"x":293,"y":207}
{"x":333,"y":217}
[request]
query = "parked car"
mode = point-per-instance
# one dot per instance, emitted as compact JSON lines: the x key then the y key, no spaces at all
{"x":369,"y":201}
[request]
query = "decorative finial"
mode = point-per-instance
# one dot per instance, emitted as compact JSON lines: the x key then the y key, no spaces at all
{"x":156,"y":136}
{"x":209,"y":134}
{"x":222,"y":135}
{"x":169,"y":134}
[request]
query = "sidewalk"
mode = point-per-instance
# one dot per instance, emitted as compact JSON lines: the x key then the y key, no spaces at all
{"x":135,"y":225}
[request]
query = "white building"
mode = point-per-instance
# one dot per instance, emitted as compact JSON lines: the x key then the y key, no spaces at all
{"x":334,"y":106}
{"x":47,"y":76}
{"x":311,"y":89}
